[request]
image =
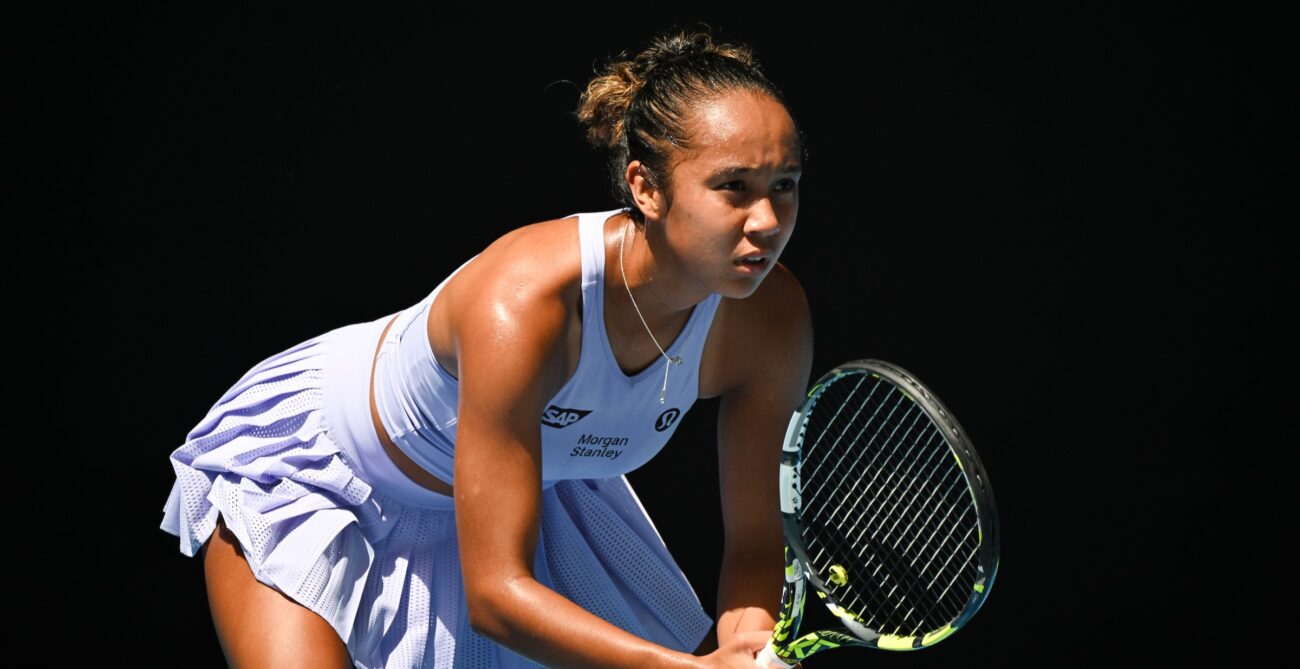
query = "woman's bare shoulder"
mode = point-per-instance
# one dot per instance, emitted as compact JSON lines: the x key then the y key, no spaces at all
{"x":536,"y":261}
{"x":779,"y":308}
{"x":774,"y":322}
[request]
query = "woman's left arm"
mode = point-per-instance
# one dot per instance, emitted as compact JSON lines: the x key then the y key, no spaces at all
{"x":769,"y":347}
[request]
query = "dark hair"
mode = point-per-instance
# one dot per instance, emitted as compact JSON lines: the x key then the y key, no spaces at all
{"x":637,"y":107}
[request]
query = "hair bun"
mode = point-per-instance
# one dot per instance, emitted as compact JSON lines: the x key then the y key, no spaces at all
{"x":681,"y":45}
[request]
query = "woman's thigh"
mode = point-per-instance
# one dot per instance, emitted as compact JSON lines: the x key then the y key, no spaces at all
{"x":257,"y":625}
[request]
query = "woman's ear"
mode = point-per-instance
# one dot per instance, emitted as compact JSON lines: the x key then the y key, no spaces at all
{"x":646,"y":193}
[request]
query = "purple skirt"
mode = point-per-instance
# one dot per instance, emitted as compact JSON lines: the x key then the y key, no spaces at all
{"x":289,"y":459}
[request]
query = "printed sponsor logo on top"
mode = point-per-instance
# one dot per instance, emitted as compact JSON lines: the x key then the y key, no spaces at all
{"x":666,"y":419}
{"x":598,"y":446}
{"x":561,"y":417}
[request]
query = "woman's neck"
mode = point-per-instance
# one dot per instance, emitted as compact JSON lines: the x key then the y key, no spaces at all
{"x":660,"y":291}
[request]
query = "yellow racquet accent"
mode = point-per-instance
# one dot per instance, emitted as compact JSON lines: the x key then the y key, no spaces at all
{"x":936,"y":635}
{"x":892,"y":642}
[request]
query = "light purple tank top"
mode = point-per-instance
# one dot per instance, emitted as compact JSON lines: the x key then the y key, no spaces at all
{"x":602,"y":423}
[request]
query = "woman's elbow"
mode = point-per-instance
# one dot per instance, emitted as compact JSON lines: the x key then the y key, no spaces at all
{"x":495,"y":607}
{"x":483,"y":611}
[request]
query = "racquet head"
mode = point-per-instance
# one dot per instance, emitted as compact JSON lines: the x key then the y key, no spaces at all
{"x":888,"y":515}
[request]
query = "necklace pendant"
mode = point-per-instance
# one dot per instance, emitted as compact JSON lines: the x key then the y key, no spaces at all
{"x":663,"y":392}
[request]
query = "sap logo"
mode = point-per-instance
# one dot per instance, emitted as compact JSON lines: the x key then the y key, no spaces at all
{"x":561,"y":417}
{"x":666,"y":419}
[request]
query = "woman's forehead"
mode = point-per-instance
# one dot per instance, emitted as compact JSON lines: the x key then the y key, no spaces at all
{"x":745,"y":130}
{"x":742,"y":155}
{"x":734,"y":111}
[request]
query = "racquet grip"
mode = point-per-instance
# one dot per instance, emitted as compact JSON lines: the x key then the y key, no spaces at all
{"x":767,"y":658}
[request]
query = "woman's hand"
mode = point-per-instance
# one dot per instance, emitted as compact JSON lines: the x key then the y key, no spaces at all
{"x":740,"y":651}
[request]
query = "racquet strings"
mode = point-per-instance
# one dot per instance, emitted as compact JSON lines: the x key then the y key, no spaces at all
{"x":888,"y":521}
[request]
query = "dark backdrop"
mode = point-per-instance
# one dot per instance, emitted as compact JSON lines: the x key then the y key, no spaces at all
{"x":1064,"y":221}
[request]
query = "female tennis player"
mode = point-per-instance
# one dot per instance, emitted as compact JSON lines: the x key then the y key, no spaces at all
{"x":444,"y":486}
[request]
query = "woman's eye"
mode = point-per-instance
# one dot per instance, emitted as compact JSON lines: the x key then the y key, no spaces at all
{"x":786,"y":185}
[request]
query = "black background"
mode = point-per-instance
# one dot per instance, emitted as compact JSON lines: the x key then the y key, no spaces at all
{"x":1067,"y":222}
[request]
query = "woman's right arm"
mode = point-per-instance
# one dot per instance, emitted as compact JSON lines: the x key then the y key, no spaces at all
{"x":511,"y":360}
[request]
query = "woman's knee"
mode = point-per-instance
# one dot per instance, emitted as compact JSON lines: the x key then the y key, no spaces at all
{"x":257,"y":625}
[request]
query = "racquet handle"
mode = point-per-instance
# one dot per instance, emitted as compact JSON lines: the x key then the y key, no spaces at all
{"x":768,"y":659}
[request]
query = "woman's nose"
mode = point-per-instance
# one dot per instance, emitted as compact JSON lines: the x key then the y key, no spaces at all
{"x":763,"y":221}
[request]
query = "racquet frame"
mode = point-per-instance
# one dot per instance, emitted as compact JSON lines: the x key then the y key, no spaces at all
{"x":785,"y":648}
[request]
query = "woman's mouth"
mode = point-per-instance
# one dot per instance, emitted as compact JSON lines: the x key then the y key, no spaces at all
{"x":752,"y":264}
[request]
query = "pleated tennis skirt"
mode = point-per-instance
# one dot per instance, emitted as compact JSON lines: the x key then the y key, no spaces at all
{"x":290,"y":460}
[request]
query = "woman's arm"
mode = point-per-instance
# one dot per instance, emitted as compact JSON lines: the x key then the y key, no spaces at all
{"x":772,"y":356}
{"x":511,"y":361}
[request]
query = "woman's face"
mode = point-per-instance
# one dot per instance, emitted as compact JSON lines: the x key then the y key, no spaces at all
{"x":734,"y":193}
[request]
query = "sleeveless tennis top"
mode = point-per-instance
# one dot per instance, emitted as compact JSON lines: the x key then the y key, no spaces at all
{"x":602,"y":422}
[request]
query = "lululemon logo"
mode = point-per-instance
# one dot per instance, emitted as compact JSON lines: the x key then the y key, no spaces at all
{"x":666,"y":419}
{"x":561,"y":417}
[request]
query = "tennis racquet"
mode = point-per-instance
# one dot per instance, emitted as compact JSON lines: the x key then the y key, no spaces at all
{"x":887,"y":513}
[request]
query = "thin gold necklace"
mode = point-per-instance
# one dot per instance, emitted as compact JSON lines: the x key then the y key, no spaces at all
{"x":676,"y":360}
